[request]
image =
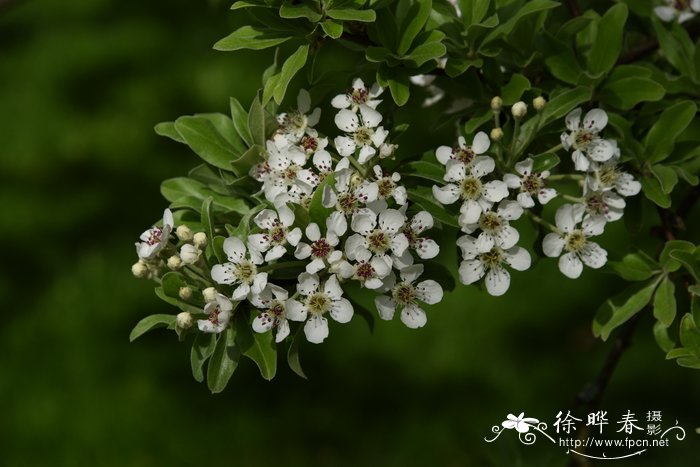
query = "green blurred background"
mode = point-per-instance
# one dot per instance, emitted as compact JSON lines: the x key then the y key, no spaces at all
{"x":82,"y":82}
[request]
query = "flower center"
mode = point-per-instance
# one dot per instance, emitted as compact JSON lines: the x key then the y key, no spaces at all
{"x":290,"y":173}
{"x":608,"y":176}
{"x":245,"y":271}
{"x":347,"y":202}
{"x":575,"y":241}
{"x":492,"y":258}
{"x":214,"y":315}
{"x":595,"y":203}
{"x":318,"y":303}
{"x":411,"y":235}
{"x":364,"y":271}
{"x":358,"y":96}
{"x":471,"y":188}
{"x":466,"y":155}
{"x":320,"y":248}
{"x":386,"y":187}
{"x":583,"y":138}
{"x":531,"y":183}
{"x":363,"y":136}
{"x":378,"y":241}
{"x":490,"y":221}
{"x":309,"y":143}
{"x":155,"y":236}
{"x":294,"y":120}
{"x":277,"y":234}
{"x":404,"y":293}
{"x":681,"y":5}
{"x":276,"y":308}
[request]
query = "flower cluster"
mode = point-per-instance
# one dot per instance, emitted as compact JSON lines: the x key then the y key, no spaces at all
{"x":330,"y":212}
{"x":678,"y":10}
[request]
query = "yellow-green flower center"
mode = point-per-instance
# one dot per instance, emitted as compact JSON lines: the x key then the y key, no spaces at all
{"x":318,"y":303}
{"x":404,"y":293}
{"x":471,"y":188}
{"x":574,"y":241}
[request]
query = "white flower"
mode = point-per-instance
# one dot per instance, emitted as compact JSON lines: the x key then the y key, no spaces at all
{"x":520,"y":423}
{"x":424,"y":247}
{"x":189,"y":254}
{"x":285,"y":174}
{"x":370,"y":271}
{"x":477,"y":195}
{"x":273,"y":300}
{"x":358,"y":96}
{"x":154,"y":239}
{"x":242,"y":269}
{"x":530,"y":184}
{"x":678,"y":10}
{"x":219,"y":312}
{"x":494,"y":225}
{"x":405,"y":296}
{"x":388,"y":187}
{"x":608,"y":176}
{"x":322,"y":250}
{"x":378,"y":235}
{"x":317,"y":301}
{"x":351,"y":193}
{"x":480,"y":259}
{"x":362,"y":131}
{"x":462,"y":152}
{"x":605,"y":204}
{"x":275,"y":232}
{"x":293,"y":125}
{"x":574,"y":241}
{"x":312,"y":144}
{"x":584,"y":139}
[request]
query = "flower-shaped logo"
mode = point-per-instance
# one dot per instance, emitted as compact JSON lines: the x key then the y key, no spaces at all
{"x":520,"y":423}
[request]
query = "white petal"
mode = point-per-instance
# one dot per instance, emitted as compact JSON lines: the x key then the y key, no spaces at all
{"x":347,"y":120}
{"x":518,"y":258}
{"x":483,"y":165}
{"x":315,"y":266}
{"x":241,"y":292}
{"x":447,"y":194}
{"x":470,"y":271}
{"x":595,"y":120}
{"x":429,"y":292}
{"x":427,"y":248}
{"x":337,"y":224}
{"x":259,"y":283}
{"x":512,"y":180}
{"x":275,"y":253}
{"x":286,"y":215}
{"x":510,"y":210}
{"x":411,"y":273}
{"x":263,"y":322}
{"x":593,"y":255}
{"x":234,"y":249}
{"x":525,"y":200}
{"x":423,"y":220}
{"x":581,"y":162}
{"x":570,"y":265}
{"x":332,"y":288}
{"x":481,"y":143}
{"x":524,"y":167}
{"x":385,"y":306}
{"x":294,"y":236}
{"x":370,"y":117}
{"x":316,"y":329}
{"x":222,"y":273}
{"x":328,"y":197}
{"x":282,"y":330}
{"x":313,"y":233}
{"x":593,"y":226}
{"x":497,"y":281}
{"x":545,"y":195}
{"x":507,"y":237}
{"x":345,"y":146}
{"x":468,"y":246}
{"x":665,"y":13}
{"x":564,"y":218}
{"x":367,"y":192}
{"x":602,"y":150}
{"x":366,"y":154}
{"x":340,"y":101}
{"x":471,"y":212}
{"x":455,"y":171}
{"x":341,"y":310}
{"x":443,"y":154}
{"x":363,"y":223}
{"x":308,"y":283}
{"x":399,"y":244}
{"x":552,"y":245}
{"x":627,"y":186}
{"x":413,"y":316}
{"x":391,"y":221}
{"x":573,"y":119}
{"x":295,"y":310}
{"x":495,"y":190}
{"x":400,"y":195}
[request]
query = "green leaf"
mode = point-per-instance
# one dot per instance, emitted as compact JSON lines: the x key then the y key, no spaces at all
{"x":662,"y":338}
{"x":423,"y":197}
{"x":559,"y":106}
{"x":676,"y":46}
{"x":620,"y":308}
{"x":399,"y":87}
{"x":248,"y":37}
{"x":669,"y":264}
{"x":160,"y":293}
{"x":239,"y":117}
{"x":627,"y":92}
{"x":689,"y":362}
{"x":293,"y":353}
{"x":429,"y":50}
{"x":635,"y":267}
{"x":223,"y":362}
{"x":690,"y":335}
{"x":660,"y":140}
{"x":291,"y":11}
{"x":258,"y":347}
{"x":608,"y":40}
{"x":241,"y":166}
{"x":652,"y":190}
{"x":256,"y":122}
{"x":544,"y":162}
{"x":511,"y":92}
{"x":208,"y":225}
{"x":475,"y":122}
{"x":151,"y":322}
{"x":171,"y":282}
{"x":168,"y":130}
{"x":317,"y":212}
{"x":202,"y":348}
{"x":333,"y":28}
{"x":413,"y":23}
{"x":529,"y":8}
{"x":688,"y":260}
{"x":345,"y":14}
{"x":666,"y":176}
{"x":204,"y":139}
{"x":689,"y":177}
{"x":665,"y":302}
{"x":183,"y":191}
{"x":473,"y":11}
{"x":291,"y":66}
{"x":424,"y":169}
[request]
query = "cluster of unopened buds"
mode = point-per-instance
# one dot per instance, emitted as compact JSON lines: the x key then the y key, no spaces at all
{"x":368,"y":235}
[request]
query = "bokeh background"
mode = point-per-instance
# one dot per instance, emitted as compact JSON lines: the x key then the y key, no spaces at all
{"x":82,"y":82}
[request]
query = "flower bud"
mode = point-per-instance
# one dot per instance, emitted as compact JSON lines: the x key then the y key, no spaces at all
{"x":519,"y":109}
{"x":538,"y":103}
{"x":209,"y":294}
{"x":496,"y":104}
{"x":200,"y":239}
{"x":189,"y":254}
{"x":184,"y":320}
{"x":139,"y":270}
{"x":184,"y":233}
{"x":174,"y":262}
{"x":496,"y":134}
{"x":185,"y":293}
